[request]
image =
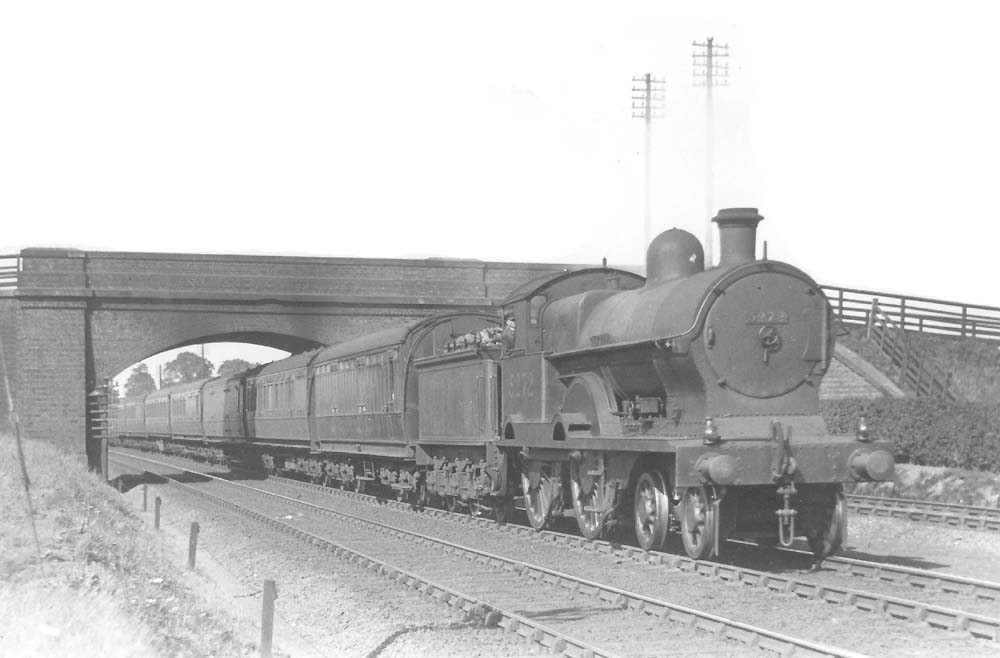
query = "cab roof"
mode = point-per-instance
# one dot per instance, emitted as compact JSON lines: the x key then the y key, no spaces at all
{"x":543,"y":283}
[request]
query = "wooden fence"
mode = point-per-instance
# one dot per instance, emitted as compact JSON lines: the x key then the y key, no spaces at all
{"x":935,"y":316}
{"x":908,"y":363}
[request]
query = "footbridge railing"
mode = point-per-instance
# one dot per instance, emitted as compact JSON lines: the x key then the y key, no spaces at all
{"x":935,"y":316}
{"x":907,"y":362}
{"x":10,"y":268}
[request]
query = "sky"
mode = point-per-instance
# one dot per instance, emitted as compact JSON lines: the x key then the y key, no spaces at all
{"x":865,"y":133}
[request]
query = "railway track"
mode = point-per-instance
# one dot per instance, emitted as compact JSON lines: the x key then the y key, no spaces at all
{"x":935,"y":616}
{"x":923,"y":579}
{"x":805,"y":587}
{"x":949,"y":514}
{"x":513,"y":594}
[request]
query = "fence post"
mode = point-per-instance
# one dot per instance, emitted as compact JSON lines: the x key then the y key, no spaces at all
{"x":902,"y":313}
{"x":965,"y":313}
{"x":193,"y":544}
{"x":267,"y":618}
{"x":840,"y":305}
{"x":145,"y":497}
{"x":871,"y":317}
{"x":156,"y":512}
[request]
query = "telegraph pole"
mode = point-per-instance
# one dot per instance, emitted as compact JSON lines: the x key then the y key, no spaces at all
{"x":710,"y":70}
{"x":647,"y":104}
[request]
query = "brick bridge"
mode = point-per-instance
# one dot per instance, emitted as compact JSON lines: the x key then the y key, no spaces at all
{"x":71,"y":319}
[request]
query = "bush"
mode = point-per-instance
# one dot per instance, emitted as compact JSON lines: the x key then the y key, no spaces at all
{"x":925,"y":431}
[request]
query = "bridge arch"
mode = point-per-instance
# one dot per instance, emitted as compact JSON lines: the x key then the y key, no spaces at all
{"x":118,"y":362}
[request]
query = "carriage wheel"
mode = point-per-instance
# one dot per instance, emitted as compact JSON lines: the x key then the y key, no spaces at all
{"x":652,"y":510}
{"x":697,"y":522}
{"x":587,"y":503}
{"x":537,"y":501}
{"x":827,"y":540}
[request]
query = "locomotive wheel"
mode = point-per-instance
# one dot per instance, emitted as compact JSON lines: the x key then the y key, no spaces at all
{"x":451,"y":503}
{"x":827,"y":540}
{"x":537,"y":502}
{"x":652,"y":510}
{"x":586,"y":494}
{"x":697,"y":523}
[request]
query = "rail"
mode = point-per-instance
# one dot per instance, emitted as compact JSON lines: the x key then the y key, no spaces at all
{"x":10,"y":269}
{"x":924,"y":314}
{"x":949,"y":514}
{"x":908,"y":363}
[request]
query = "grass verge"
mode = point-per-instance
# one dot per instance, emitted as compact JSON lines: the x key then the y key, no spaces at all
{"x":103,"y":587}
{"x":937,"y":484}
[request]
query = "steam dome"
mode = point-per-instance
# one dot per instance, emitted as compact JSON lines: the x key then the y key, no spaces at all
{"x":673,"y":254}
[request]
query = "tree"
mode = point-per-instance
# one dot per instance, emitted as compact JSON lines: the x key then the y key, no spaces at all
{"x":140,"y":382}
{"x":233,"y":366}
{"x":187,"y":367}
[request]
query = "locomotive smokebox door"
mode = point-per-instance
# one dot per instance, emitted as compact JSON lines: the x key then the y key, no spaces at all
{"x":763,"y":334}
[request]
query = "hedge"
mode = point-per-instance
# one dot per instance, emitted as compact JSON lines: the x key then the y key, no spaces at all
{"x":925,"y":431}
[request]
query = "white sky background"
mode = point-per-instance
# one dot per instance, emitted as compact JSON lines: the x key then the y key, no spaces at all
{"x":866,"y":133}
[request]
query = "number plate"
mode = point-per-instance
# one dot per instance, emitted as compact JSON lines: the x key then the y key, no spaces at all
{"x":767,"y":317}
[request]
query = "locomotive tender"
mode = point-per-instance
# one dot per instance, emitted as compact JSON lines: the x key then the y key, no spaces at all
{"x":688,"y":400}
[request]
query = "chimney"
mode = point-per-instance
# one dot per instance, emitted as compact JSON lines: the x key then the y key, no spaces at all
{"x":737,"y":235}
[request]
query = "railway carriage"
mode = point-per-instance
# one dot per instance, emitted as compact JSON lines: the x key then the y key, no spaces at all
{"x":686,"y":401}
{"x":156,"y":414}
{"x":223,"y":407}
{"x":186,"y":411}
{"x":277,"y":402}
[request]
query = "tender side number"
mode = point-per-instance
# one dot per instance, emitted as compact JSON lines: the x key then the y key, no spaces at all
{"x":520,"y":384}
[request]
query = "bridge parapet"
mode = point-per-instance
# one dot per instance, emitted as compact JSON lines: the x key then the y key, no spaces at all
{"x":113,"y":275}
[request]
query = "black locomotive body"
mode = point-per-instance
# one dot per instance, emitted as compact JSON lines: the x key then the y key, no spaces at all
{"x":686,"y":401}
{"x":692,"y":396}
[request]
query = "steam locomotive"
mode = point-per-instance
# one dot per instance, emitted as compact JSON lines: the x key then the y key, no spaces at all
{"x":684,"y":402}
